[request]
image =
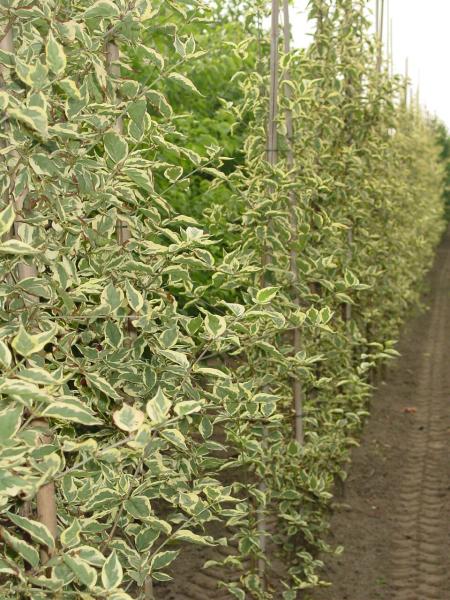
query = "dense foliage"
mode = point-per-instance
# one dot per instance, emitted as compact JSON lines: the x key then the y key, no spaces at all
{"x":160,"y":303}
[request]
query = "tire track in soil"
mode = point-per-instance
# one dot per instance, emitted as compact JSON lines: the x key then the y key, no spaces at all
{"x":420,"y":549}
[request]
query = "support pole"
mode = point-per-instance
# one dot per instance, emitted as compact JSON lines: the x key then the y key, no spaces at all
{"x":380,"y":30}
{"x":45,"y":497}
{"x":296,"y":384}
{"x":123,"y":231}
{"x":272,"y":157}
{"x":113,"y":68}
{"x":406,"y":82}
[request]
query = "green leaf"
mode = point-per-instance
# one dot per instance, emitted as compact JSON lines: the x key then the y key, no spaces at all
{"x":212,"y":372}
{"x":169,"y":338}
{"x":185,"y":81}
{"x":112,"y":296}
{"x":146,"y":538}
{"x":69,"y":87}
{"x":158,"y":407}
{"x":18,"y":248}
{"x":138,"y":507}
{"x":5,"y":355}
{"x":71,"y":409}
{"x":7,"y":216}
{"x":27,"y":552}
{"x":102,"y":9}
{"x":10,"y":422}
{"x":325,"y":315}
{"x":91,"y":555}
{"x":184,"y":535}
{"x":205,"y":428}
{"x":23,"y":391}
{"x":263,"y":397}
{"x":101,"y":384}
{"x":266,"y":295}
{"x":173,"y":173}
{"x":135,"y":298}
{"x":37,"y":287}
{"x":119,"y":595}
{"x":128,"y":418}
{"x":113,"y":334}
{"x":152,"y":55}
{"x":7,"y":58}
{"x":42,"y":165}
{"x":141,"y":178}
{"x":238,"y":593}
{"x":176,"y":357}
{"x":26,"y":344}
{"x":163,"y":559}
{"x":116,"y":146}
{"x":33,"y":117}
{"x":37,"y":531}
{"x":175,"y":437}
{"x":55,"y":56}
{"x":37,"y":375}
{"x":160,"y":101}
{"x":215,"y":325}
{"x":103,"y":499}
{"x":112,"y":572}
{"x":86,"y":574}
{"x":187,"y":407}
{"x":71,"y":536}
{"x":313,"y":315}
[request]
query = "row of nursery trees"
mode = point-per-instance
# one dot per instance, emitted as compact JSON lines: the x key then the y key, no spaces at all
{"x":209,"y":241}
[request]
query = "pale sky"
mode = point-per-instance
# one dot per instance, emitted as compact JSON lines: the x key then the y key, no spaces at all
{"x":421,"y":32}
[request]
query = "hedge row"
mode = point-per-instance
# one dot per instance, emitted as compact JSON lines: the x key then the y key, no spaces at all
{"x":160,"y":374}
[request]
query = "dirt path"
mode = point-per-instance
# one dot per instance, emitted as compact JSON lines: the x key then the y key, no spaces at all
{"x":394,"y":519}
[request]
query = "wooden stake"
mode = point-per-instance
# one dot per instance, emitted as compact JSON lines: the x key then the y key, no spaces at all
{"x":113,"y":67}
{"x":123,"y":231}
{"x":380,"y":36}
{"x":349,"y":91}
{"x":377,"y":19}
{"x":272,"y":157}
{"x":296,"y":384}
{"x":391,"y":49}
{"x":406,"y":81}
{"x":45,"y":498}
{"x":272,"y":142}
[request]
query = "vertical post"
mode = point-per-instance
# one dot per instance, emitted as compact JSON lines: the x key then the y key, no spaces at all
{"x":350,"y":233}
{"x":272,"y":145}
{"x":380,"y":28}
{"x":296,"y":384}
{"x":391,"y":49}
{"x":406,"y":81}
{"x":113,"y":67}
{"x":377,"y":19}
{"x":123,"y":231}
{"x":45,"y":497}
{"x":272,"y":157}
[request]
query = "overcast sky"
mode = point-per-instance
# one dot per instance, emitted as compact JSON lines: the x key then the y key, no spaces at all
{"x":421,"y":32}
